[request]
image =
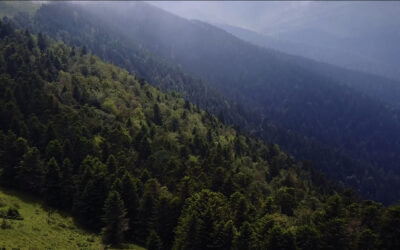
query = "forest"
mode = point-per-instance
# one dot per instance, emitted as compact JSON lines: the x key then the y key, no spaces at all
{"x":347,"y":133}
{"x":136,"y":164}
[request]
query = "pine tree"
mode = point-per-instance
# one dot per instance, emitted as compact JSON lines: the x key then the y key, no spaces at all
{"x":67,"y":183}
{"x":240,"y":207}
{"x":307,"y":238}
{"x":153,"y":241}
{"x":88,"y":206}
{"x":168,"y":212}
{"x":84,"y":50}
{"x":148,"y":208}
{"x":229,"y":234}
{"x":52,"y":184}
{"x":286,"y":200}
{"x":14,"y":150}
{"x":111,"y":164}
{"x":278,"y":238}
{"x":114,"y":219}
{"x":42,"y":42}
{"x":390,"y":231}
{"x":244,"y":241}
{"x":157,"y":115}
{"x":368,"y":240}
{"x":186,"y":235}
{"x":129,"y":195}
{"x":334,"y":234}
{"x":29,"y":172}
{"x":55,"y":149}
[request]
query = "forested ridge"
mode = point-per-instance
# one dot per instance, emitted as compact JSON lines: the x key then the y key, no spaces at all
{"x":294,"y":97}
{"x":142,"y":166}
{"x":379,"y":87}
{"x":298,"y":95}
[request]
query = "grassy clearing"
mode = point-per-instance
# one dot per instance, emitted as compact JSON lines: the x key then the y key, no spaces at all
{"x":40,"y":228}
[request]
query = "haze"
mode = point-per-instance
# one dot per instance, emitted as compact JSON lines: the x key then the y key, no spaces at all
{"x":357,"y":35}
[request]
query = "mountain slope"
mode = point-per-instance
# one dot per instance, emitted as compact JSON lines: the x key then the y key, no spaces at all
{"x":74,"y":26}
{"x":41,"y":227}
{"x":276,"y":119}
{"x":11,"y":8}
{"x":359,"y":36}
{"x":383,"y":89}
{"x":68,"y":114}
{"x":79,"y":132}
{"x":363,"y":36}
{"x":284,"y":92}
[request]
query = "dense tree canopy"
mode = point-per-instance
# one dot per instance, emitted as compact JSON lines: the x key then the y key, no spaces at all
{"x":150,"y":168}
{"x":278,"y":98}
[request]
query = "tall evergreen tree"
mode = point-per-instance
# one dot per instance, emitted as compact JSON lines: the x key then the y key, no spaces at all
{"x":67,"y":183}
{"x":280,"y":239}
{"x":229,"y":234}
{"x":245,"y":239}
{"x":114,"y":219}
{"x":30,"y":171}
{"x":129,"y":195}
{"x":42,"y":41}
{"x":153,"y":241}
{"x":55,"y":149}
{"x":52,"y":184}
{"x":390,"y":231}
{"x":307,"y":238}
{"x":157,"y":115}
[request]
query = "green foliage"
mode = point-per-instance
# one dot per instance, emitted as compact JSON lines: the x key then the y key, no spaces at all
{"x":82,"y":156}
{"x":43,"y":229}
{"x":153,"y":241}
{"x":114,"y":219}
{"x":279,"y":238}
{"x":30,"y":171}
{"x":200,"y":218}
{"x":288,"y":94}
{"x":52,"y":184}
{"x":286,"y":200}
{"x":307,"y":237}
{"x":368,"y":240}
{"x":390,"y":231}
{"x":245,"y":239}
{"x":334,"y":235}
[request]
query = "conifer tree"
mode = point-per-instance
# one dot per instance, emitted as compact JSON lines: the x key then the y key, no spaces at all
{"x":55,"y":149}
{"x":52,"y":184}
{"x":42,"y":42}
{"x":279,"y":238}
{"x":367,"y":240}
{"x":307,"y":238}
{"x":111,"y":164}
{"x":129,"y":195}
{"x":67,"y":183}
{"x":114,"y":219}
{"x":153,"y":241}
{"x":157,"y":115}
{"x":29,"y":172}
{"x":244,"y":241}
{"x":229,"y":234}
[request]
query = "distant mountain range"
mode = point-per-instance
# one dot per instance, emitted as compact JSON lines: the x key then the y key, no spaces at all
{"x":385,"y":89}
{"x":359,"y":36}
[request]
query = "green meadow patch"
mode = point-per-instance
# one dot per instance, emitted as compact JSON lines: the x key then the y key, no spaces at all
{"x":26,"y":224}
